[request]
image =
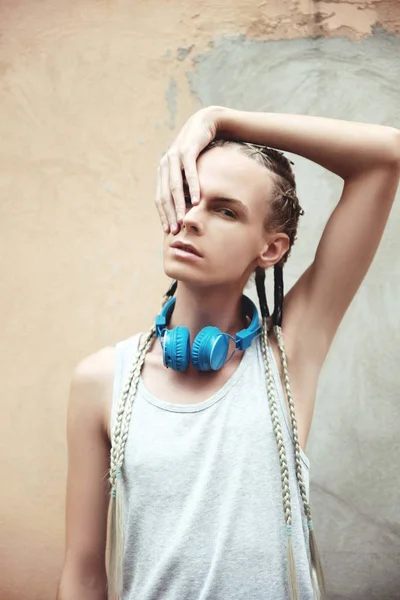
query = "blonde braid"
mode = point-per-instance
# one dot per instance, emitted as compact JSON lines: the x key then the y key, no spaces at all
{"x":116,"y":441}
{"x":119,"y":418}
{"x":131,"y":388}
{"x":116,"y":539}
{"x":317,"y":575}
{"x":299,"y":473}
{"x":287,"y":507}
{"x":115,"y":535}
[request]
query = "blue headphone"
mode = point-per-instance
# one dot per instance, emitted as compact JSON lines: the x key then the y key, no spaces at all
{"x":210,"y":347}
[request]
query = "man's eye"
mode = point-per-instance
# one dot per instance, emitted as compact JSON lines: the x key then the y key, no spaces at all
{"x":228,"y":213}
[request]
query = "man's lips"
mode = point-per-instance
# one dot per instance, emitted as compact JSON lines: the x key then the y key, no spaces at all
{"x":186,"y":247}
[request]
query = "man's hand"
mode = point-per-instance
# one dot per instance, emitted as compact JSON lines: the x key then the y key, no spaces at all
{"x":179,"y":163}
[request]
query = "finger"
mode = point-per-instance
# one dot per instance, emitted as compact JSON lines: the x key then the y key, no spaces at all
{"x":166,"y":198}
{"x":192,"y":178}
{"x":176,"y":184}
{"x":159,"y":206}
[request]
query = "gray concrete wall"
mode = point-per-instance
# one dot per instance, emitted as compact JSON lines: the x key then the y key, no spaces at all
{"x":91,"y":94}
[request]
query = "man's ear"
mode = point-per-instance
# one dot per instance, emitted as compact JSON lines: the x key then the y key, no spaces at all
{"x":274,"y":249}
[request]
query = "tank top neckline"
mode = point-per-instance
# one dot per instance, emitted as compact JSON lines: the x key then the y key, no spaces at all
{"x":253,"y":352}
{"x":204,"y":404}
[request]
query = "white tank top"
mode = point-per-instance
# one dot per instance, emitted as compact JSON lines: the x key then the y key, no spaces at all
{"x":202,"y":492}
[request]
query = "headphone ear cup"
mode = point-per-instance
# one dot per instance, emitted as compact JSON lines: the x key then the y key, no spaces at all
{"x":210,"y":349}
{"x":176,"y":348}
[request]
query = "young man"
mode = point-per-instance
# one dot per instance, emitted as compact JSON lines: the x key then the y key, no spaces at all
{"x":208,"y":468}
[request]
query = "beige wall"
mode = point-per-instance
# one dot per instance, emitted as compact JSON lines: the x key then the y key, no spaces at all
{"x":91,"y":93}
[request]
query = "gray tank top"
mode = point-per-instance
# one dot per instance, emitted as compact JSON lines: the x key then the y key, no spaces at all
{"x":202,"y":492}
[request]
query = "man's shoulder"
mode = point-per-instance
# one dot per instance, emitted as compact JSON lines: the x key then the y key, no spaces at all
{"x":98,"y":366}
{"x":93,"y":380}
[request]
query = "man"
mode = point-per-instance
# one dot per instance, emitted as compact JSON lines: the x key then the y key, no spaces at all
{"x":209,"y":491}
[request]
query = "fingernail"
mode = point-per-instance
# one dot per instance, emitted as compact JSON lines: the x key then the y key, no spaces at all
{"x":180,"y":216}
{"x":195,"y":199}
{"x":165,"y":228}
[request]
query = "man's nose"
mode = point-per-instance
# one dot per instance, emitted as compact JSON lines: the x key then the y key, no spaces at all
{"x":194,"y":218}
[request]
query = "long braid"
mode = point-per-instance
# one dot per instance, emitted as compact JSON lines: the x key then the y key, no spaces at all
{"x":130,"y":391}
{"x":279,"y":337}
{"x":316,"y":570}
{"x":120,"y":415}
{"x":116,"y":517}
{"x":286,"y":497}
{"x":117,"y":455}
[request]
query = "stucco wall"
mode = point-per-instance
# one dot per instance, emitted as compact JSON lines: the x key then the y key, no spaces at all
{"x":91,"y":93}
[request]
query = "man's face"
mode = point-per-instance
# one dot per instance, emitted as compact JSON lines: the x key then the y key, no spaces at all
{"x":229,"y":234}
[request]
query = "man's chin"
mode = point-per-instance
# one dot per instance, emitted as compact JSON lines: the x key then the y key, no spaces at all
{"x":188,"y":278}
{"x":186,"y":274}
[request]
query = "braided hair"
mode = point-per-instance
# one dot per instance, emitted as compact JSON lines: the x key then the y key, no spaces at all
{"x":283,"y":215}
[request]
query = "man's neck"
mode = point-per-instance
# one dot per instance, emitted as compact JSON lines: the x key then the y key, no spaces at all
{"x":219,"y":307}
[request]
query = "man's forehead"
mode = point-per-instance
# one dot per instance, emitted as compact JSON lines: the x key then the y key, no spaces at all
{"x":233,"y":173}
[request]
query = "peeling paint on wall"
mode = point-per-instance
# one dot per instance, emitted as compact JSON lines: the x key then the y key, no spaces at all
{"x":182,"y":53}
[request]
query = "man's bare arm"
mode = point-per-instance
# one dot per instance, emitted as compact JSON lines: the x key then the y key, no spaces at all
{"x":84,"y":574}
